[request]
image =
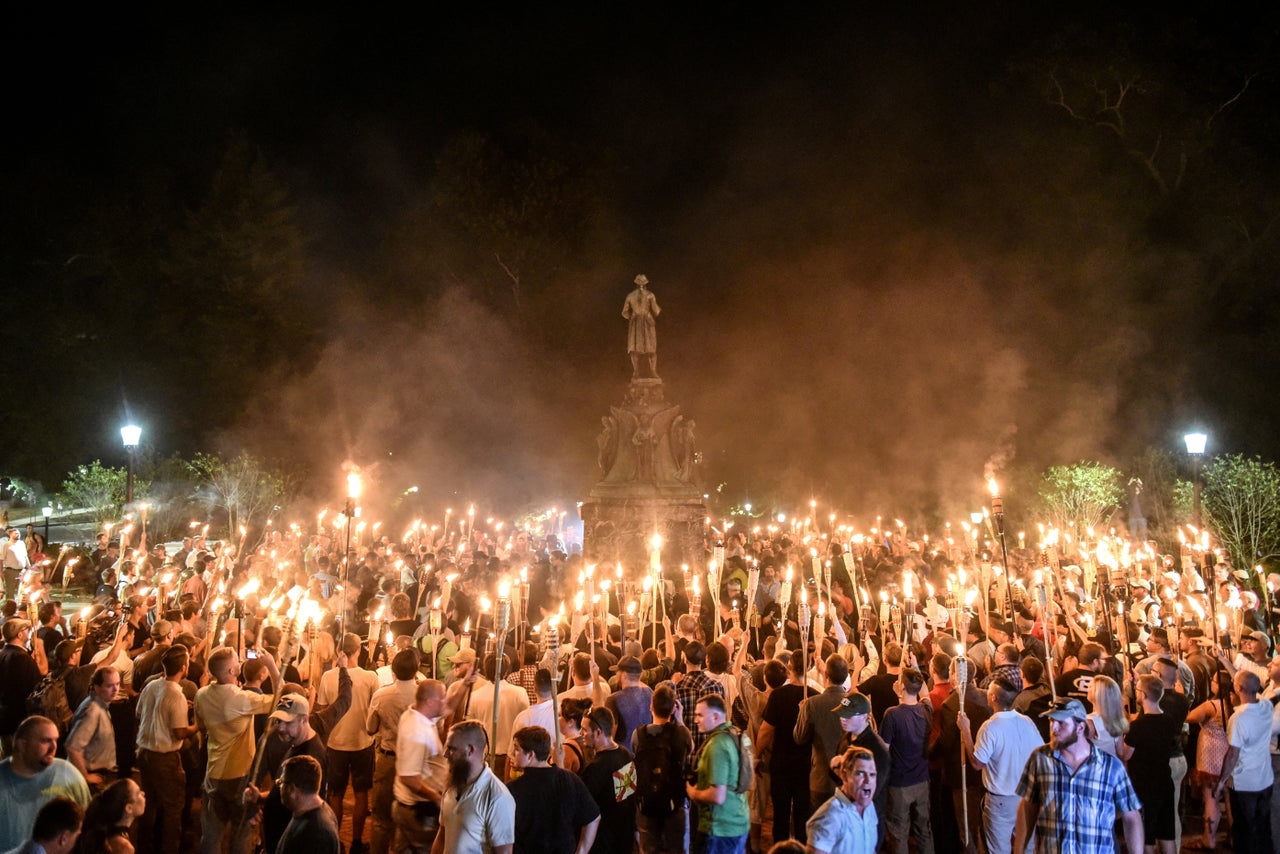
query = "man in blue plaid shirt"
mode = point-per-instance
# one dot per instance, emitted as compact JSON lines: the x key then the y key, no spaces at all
{"x":1071,"y":792}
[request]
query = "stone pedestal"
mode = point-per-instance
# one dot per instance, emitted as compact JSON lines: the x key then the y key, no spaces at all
{"x":648,"y":483}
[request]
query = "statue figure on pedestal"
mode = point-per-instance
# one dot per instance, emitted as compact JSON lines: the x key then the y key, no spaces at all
{"x":682,"y":447}
{"x":641,"y":310}
{"x":607,"y":443}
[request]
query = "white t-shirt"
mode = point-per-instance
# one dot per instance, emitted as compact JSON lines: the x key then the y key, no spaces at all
{"x":349,"y":732}
{"x":162,"y":708}
{"x":419,"y":753}
{"x":512,"y":700}
{"x":1004,"y":743}
{"x":1244,"y":662}
{"x":540,"y":715}
{"x":1249,"y":730}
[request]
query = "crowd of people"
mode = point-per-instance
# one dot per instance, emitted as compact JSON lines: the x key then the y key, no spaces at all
{"x":238,"y":700}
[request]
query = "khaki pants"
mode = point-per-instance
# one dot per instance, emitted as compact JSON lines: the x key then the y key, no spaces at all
{"x":384,"y":778}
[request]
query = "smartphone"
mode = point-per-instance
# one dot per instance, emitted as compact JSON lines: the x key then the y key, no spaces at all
{"x":250,"y":653}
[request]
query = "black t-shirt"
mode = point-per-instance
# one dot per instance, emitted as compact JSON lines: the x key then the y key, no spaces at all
{"x":552,"y":806}
{"x":314,"y":832}
{"x":275,"y":817}
{"x":1075,"y":684}
{"x":610,"y":779}
{"x":879,"y":689}
{"x":18,"y":677}
{"x":780,"y":713}
{"x":139,"y":635}
{"x":50,"y":637}
{"x":1150,"y":737}
{"x":1175,"y":706}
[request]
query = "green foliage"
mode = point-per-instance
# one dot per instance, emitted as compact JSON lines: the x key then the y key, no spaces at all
{"x":99,"y":491}
{"x":1241,"y":503}
{"x":1086,"y":494}
{"x":1184,"y":499}
{"x":242,"y":488}
{"x":19,"y":490}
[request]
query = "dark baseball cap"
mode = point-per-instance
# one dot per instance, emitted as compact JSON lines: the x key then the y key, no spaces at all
{"x":852,"y":704}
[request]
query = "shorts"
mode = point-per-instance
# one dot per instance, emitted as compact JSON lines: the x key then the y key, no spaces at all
{"x":355,"y":765}
{"x":1158,"y":815}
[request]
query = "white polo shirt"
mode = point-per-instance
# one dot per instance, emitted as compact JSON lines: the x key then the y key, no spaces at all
{"x":1004,"y":743}
{"x":419,"y":753}
{"x":480,"y":818}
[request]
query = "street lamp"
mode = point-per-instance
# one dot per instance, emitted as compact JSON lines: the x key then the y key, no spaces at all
{"x":46,"y":511}
{"x":131,"y":434}
{"x":1195,"y":447}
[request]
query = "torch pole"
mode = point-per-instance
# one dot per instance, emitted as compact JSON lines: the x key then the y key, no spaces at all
{"x":500,"y":632}
{"x":962,"y":674}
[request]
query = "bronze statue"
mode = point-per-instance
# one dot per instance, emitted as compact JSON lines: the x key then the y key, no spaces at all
{"x":641,"y":309}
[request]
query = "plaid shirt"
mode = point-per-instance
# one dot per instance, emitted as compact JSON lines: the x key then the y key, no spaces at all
{"x":524,"y":677}
{"x":689,"y":690}
{"x":1077,"y":811}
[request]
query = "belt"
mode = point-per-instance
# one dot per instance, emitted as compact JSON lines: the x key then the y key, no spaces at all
{"x":386,"y":752}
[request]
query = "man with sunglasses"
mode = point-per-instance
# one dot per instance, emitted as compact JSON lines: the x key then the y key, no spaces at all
{"x":1072,"y":791}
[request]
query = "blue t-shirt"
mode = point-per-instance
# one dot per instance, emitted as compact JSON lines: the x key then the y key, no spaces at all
{"x":22,"y":797}
{"x":631,"y":710}
{"x":906,"y":730}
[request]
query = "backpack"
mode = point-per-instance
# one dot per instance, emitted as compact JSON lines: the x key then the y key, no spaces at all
{"x":659,"y":777}
{"x":49,"y":698}
{"x":746,"y":758}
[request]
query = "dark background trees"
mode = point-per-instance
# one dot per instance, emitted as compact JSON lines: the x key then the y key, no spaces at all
{"x":888,"y":245}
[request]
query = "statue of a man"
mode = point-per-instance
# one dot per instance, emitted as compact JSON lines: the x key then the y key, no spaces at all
{"x":641,"y":309}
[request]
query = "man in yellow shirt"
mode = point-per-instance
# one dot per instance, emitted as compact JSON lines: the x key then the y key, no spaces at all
{"x":224,"y":712}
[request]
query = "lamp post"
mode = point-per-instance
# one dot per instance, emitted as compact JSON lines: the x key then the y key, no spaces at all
{"x":131,"y":434}
{"x":46,"y":511}
{"x":1195,"y":447}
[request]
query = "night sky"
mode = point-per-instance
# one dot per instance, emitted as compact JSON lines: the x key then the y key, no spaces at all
{"x":891,"y":246}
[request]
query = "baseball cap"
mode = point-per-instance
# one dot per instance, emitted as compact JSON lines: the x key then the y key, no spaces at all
{"x":464,"y":656}
{"x":161,"y":629}
{"x":1260,"y":636}
{"x":291,"y":707}
{"x":852,"y":704}
{"x":1065,"y":709}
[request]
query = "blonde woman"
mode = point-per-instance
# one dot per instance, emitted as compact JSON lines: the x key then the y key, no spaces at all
{"x":1211,"y":750}
{"x":1107,"y":722}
